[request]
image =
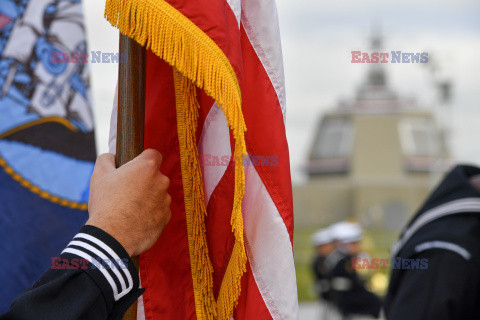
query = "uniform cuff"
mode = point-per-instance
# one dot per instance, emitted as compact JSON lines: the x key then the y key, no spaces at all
{"x":108,"y":263}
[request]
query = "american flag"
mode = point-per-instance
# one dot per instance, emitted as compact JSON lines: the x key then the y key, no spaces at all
{"x":187,"y":43}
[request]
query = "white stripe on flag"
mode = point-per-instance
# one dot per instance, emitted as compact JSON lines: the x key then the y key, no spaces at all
{"x":236,"y":8}
{"x":260,"y":21}
{"x":269,"y":249}
{"x":214,"y":141}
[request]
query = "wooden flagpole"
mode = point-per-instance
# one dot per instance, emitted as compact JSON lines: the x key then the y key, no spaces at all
{"x":131,"y":112}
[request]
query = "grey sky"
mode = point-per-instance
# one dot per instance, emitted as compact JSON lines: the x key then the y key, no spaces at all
{"x":317,"y":38}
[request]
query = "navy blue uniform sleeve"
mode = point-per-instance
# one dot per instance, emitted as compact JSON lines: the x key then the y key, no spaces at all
{"x":93,"y":278}
{"x":446,"y":290}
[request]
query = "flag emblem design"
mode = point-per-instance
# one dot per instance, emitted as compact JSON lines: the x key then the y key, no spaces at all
{"x":47,"y":146}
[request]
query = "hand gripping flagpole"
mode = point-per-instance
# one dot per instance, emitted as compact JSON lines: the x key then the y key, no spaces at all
{"x":131,"y":112}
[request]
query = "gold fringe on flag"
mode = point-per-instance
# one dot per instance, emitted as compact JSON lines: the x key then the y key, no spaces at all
{"x":195,"y":210}
{"x":197,"y":61}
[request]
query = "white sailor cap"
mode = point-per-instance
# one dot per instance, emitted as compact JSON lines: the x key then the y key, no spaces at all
{"x":322,"y":236}
{"x":346,"y":231}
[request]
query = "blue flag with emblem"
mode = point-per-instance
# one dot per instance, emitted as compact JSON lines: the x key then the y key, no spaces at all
{"x":47,"y":146}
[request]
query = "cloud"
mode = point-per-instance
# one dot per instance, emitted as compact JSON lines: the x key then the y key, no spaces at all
{"x":318,"y":36}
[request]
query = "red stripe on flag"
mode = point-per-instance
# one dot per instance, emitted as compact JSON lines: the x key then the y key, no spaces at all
{"x":266,"y":134}
{"x":219,"y":231}
{"x":251,"y":304}
{"x":165,"y":268}
{"x":217,"y":20}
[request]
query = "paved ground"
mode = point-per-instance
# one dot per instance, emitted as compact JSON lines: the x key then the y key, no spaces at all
{"x":308,"y":311}
{"x":316,"y":311}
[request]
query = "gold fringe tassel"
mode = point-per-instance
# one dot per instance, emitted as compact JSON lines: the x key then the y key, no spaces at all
{"x":195,"y":210}
{"x":177,"y":40}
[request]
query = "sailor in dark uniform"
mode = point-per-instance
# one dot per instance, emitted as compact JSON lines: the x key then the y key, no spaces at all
{"x":94,"y":278}
{"x":347,"y":289}
{"x":445,"y":236}
{"x":324,"y":246}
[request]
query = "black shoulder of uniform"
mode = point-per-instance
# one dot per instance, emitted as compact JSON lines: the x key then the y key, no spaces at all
{"x":93,"y":278}
{"x":444,"y":235}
